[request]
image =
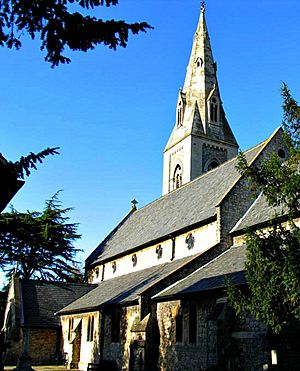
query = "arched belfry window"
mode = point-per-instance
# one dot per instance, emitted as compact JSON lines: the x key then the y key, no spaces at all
{"x":214,"y":107}
{"x":211,"y":164}
{"x":177,"y":178}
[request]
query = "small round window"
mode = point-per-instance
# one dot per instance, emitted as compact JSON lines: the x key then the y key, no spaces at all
{"x":281,"y":153}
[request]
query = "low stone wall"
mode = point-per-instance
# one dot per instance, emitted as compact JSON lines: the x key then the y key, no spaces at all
{"x":42,"y":345}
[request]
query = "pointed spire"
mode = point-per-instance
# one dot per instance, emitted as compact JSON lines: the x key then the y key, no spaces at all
{"x":203,"y":7}
{"x":201,"y":132}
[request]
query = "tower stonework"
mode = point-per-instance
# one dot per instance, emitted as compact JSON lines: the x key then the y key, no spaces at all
{"x":201,"y":138}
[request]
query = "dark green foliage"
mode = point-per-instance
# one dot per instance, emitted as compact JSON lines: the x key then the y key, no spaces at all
{"x":273,"y":257}
{"x":25,"y":164}
{"x":17,"y":170}
{"x":58,"y":27}
{"x":40,"y":244}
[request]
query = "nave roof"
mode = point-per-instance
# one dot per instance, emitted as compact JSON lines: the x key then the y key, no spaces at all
{"x":192,"y":204}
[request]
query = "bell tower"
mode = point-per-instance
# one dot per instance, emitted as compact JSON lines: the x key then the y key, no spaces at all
{"x":201,"y":138}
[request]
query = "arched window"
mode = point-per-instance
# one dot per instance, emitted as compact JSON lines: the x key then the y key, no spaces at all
{"x":179,"y":114}
{"x":179,"y":326}
{"x":177,"y":178}
{"x":193,"y":323}
{"x":213,"y":164}
{"x":90,"y":329}
{"x":70,"y":329}
{"x":115,"y":325}
{"x":214,"y":110}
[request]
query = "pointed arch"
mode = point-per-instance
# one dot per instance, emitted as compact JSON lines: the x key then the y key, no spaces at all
{"x":211,"y":164}
{"x":214,"y":108}
{"x":180,"y":108}
{"x":177,"y":176}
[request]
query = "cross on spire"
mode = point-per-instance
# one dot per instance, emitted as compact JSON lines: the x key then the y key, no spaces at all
{"x":203,"y":6}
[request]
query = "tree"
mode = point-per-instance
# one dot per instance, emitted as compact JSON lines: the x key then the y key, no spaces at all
{"x":40,"y":243}
{"x":19,"y":169}
{"x":273,"y":256}
{"x":11,"y":173}
{"x":58,"y":27}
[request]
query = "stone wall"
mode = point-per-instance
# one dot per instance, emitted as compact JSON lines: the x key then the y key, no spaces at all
{"x":223,"y":342}
{"x":79,"y":344}
{"x":120,"y":351}
{"x":42,"y":345}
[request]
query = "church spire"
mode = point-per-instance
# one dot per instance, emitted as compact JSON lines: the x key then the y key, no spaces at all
{"x":201,"y":79}
{"x":201,"y":128}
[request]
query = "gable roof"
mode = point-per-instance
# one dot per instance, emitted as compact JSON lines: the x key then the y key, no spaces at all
{"x":42,"y":299}
{"x":193,"y":203}
{"x":259,"y":213}
{"x":125,"y":289}
{"x":211,"y":276}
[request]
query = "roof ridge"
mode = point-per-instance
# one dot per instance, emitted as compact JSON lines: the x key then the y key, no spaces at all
{"x":197,"y":178}
{"x":22,"y":280}
{"x":263,"y":146}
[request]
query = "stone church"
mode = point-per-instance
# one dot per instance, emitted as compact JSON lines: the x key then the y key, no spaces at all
{"x":157,"y":299}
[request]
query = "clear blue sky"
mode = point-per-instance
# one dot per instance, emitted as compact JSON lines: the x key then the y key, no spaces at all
{"x":111,"y":113}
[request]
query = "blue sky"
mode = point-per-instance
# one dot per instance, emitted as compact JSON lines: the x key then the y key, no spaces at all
{"x":111,"y":113}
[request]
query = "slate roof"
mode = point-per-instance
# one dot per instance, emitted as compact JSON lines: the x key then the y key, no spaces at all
{"x":41,"y":300}
{"x":193,"y":203}
{"x":211,"y":276}
{"x":125,"y":289}
{"x":259,"y":213}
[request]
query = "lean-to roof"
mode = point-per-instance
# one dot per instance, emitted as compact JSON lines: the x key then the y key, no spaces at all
{"x":211,"y":276}
{"x":125,"y":289}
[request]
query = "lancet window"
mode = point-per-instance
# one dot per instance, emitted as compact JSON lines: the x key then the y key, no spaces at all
{"x":177,"y":178}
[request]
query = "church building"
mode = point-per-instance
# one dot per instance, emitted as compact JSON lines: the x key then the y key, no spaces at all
{"x":157,"y":299}
{"x":160,"y":302}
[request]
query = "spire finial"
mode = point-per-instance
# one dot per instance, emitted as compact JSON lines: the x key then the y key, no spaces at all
{"x":203,"y":6}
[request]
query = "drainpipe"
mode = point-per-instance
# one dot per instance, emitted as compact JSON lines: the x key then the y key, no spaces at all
{"x":173,"y":247}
